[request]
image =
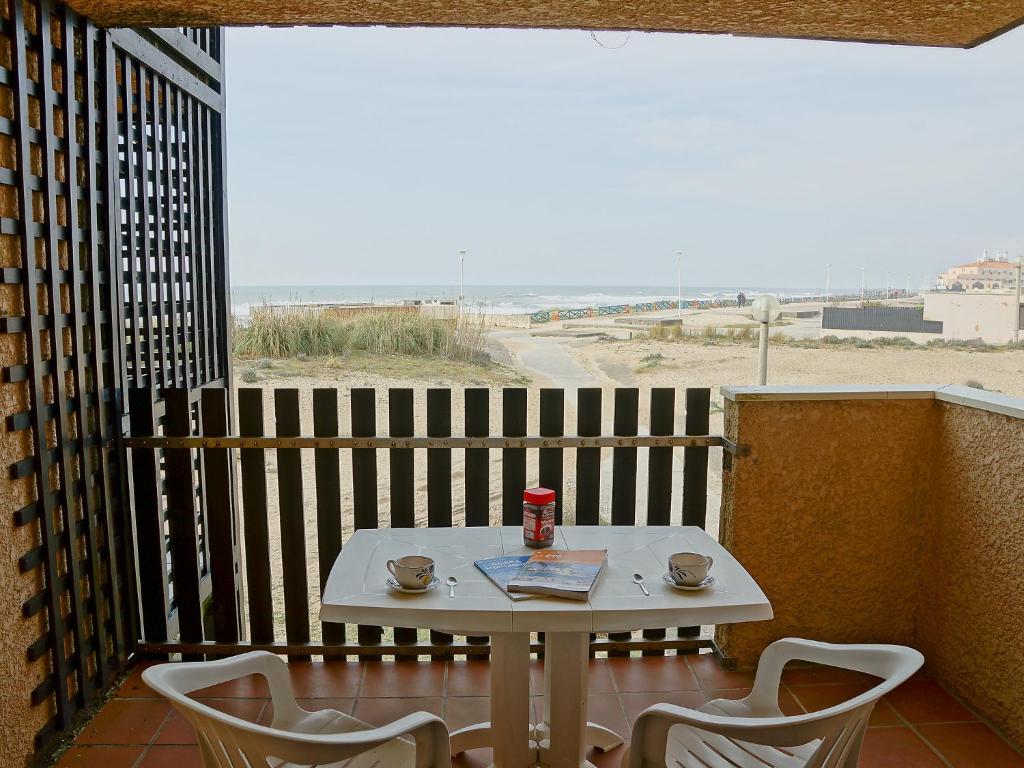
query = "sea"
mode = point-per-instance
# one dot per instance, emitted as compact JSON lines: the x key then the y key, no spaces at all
{"x":496,"y":299}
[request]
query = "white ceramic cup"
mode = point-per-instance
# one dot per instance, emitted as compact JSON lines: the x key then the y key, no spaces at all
{"x":688,"y":569}
{"x":412,"y":571}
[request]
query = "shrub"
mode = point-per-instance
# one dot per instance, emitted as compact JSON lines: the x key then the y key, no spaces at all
{"x":974,"y":383}
{"x":249,"y":376}
{"x":311,"y":332}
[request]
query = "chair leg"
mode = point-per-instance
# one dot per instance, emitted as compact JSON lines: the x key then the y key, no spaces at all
{"x":853,"y":754}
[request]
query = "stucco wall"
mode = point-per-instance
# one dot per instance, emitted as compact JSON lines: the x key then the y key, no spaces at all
{"x":826,"y":513}
{"x":886,"y":520}
{"x":972,"y":622}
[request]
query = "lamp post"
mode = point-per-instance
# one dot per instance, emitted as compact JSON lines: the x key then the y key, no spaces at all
{"x":1016,"y":307}
{"x":679,"y":286}
{"x":462,"y":278}
{"x":828,"y":281}
{"x":764,"y":309}
{"x":862,"y":285}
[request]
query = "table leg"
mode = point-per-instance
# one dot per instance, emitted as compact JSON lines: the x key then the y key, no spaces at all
{"x":508,"y":732}
{"x":566,"y":660}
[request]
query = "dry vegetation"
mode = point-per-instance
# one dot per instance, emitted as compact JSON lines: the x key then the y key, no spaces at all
{"x":291,"y":332}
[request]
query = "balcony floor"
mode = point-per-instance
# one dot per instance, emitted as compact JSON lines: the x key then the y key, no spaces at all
{"x":919,"y":725}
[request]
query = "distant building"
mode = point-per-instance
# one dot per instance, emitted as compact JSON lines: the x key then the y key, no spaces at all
{"x":982,"y":275}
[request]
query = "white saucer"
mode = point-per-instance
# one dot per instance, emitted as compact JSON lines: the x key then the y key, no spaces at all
{"x":709,"y":581}
{"x":392,"y":584}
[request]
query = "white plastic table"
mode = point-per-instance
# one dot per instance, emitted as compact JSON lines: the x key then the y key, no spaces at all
{"x":356,"y":593}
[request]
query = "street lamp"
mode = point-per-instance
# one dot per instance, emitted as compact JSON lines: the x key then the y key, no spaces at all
{"x":828,"y":281}
{"x":862,"y":285}
{"x":764,"y":309}
{"x":1016,"y":307}
{"x":679,"y":286}
{"x":462,"y":278}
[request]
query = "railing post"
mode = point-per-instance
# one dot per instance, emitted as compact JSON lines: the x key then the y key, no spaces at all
{"x":364,"y":486}
{"x":588,"y":460}
{"x":513,"y":460}
{"x":478,"y":491}
{"x":254,"y":509}
{"x":293,"y":523}
{"x":222,"y":519}
{"x":552,"y":424}
{"x":150,"y":545}
{"x":328,"y":497}
{"x":182,"y":517}
{"x":626,"y":424}
{"x":695,"y":469}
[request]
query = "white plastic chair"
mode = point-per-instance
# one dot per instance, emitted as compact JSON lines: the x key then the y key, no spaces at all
{"x":753,"y":732}
{"x":295,"y":737}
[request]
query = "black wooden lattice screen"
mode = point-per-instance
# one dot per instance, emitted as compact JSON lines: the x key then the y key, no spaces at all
{"x":75,"y":251}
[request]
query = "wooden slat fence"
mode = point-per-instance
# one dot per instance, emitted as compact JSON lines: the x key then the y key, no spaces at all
{"x":315,"y":509}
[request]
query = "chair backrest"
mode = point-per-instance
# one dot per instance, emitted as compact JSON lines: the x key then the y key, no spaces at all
{"x":230,"y":742}
{"x":839,"y":728}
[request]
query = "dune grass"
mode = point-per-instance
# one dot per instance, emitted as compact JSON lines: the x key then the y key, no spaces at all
{"x":312,"y":332}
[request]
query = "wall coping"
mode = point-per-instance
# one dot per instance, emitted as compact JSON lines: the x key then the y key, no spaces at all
{"x":981,"y":399}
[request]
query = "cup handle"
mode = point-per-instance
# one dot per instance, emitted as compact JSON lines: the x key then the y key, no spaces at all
{"x":391,"y":568}
{"x":711,"y":561}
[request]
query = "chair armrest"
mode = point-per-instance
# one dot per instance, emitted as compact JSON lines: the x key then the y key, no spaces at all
{"x":427,"y":730}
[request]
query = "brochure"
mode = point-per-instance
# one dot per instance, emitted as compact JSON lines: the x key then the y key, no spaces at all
{"x":560,"y":572}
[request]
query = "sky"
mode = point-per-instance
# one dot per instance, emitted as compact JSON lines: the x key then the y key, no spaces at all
{"x":362,"y":156}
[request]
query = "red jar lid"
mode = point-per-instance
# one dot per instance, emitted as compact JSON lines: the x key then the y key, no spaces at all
{"x":539,"y":496}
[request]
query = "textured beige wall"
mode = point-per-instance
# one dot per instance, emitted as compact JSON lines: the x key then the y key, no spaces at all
{"x":19,"y":721}
{"x":922,"y":22}
{"x":826,"y":514}
{"x":972,"y":617}
{"x":888,"y":521}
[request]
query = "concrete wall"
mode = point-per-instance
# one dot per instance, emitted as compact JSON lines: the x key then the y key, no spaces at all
{"x":986,"y":316}
{"x":887,"y":516}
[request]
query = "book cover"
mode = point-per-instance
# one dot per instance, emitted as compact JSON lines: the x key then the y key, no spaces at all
{"x":560,"y":572}
{"x":501,"y":570}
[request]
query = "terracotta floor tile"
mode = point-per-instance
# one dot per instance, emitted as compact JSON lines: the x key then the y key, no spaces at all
{"x":971,"y":745}
{"x":125,"y":721}
{"x":177,"y":730}
{"x":610,"y":759}
{"x":606,"y":709}
{"x":710,"y":674}
{"x":248,"y":687}
{"x":923,"y":701}
{"x":818,"y":697}
{"x":635,"y":703}
{"x":388,"y":679}
{"x":599,"y":677}
{"x":460,"y":711}
{"x":896,"y":748}
{"x":819,"y":674}
{"x":99,"y":757}
{"x":133,"y":687}
{"x":475,"y":758}
{"x":381,"y":711}
{"x":657,"y":673}
{"x":468,"y":678}
{"x":172,"y":757}
{"x":320,"y":680}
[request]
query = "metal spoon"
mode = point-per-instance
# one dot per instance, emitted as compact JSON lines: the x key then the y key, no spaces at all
{"x":638,"y":578}
{"x":451,"y":581}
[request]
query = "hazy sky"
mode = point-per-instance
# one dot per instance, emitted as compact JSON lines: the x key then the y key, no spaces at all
{"x":360,"y":156}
